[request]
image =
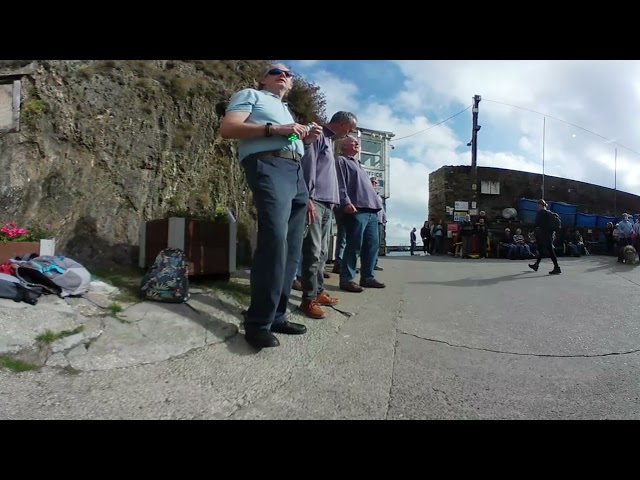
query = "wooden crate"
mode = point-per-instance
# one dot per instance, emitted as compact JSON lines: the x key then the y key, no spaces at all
{"x":210,"y":247}
{"x":19,"y":249}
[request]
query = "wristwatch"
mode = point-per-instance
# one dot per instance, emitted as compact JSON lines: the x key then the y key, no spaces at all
{"x":267,"y":129}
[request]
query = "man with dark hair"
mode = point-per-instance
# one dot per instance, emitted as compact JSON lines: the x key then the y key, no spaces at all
{"x":545,"y":236}
{"x":262,"y":123}
{"x":319,"y":166}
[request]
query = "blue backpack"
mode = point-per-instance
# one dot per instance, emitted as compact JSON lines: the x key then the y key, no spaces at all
{"x":168,"y":278}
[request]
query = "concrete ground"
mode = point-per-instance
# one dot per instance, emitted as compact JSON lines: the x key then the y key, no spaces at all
{"x":447,"y":339}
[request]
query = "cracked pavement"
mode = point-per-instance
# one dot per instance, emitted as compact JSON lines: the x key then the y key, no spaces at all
{"x":447,"y":339}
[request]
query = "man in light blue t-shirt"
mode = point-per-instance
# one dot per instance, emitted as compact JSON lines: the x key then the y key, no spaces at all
{"x":261,"y":122}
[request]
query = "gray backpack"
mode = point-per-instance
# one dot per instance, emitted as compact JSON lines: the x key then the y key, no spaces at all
{"x":58,"y":275}
{"x":13,"y":289}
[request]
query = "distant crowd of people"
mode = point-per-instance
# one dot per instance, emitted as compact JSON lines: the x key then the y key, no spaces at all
{"x":299,"y":186}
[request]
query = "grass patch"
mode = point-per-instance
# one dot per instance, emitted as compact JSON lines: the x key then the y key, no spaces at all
{"x":239,"y":291}
{"x":115,"y":308}
{"x":32,"y":111}
{"x":15,"y":365}
{"x":127,"y":280}
{"x":49,"y":337}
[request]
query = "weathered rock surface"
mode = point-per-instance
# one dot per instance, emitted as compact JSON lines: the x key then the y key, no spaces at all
{"x":104,"y":145}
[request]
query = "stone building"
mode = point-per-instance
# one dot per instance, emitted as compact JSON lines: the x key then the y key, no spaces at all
{"x":500,"y":188}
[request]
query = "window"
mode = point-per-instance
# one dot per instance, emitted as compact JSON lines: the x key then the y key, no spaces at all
{"x":489,"y":187}
{"x":371,"y":146}
{"x":371,"y":161}
{"x":9,"y":105}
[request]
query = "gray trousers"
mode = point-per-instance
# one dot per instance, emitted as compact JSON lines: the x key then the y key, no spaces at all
{"x":315,"y":248}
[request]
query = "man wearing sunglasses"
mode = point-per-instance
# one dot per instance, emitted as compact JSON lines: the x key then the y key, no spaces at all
{"x":261,"y":123}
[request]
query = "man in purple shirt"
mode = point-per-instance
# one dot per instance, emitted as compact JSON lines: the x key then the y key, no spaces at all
{"x":360,"y":204}
{"x":319,"y":167}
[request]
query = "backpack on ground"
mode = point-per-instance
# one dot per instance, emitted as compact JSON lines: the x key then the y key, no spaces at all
{"x":13,"y":289}
{"x":553,"y":221}
{"x":57,"y":274}
{"x":168,"y":278}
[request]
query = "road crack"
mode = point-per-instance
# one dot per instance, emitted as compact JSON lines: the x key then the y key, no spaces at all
{"x":395,"y":355}
{"x":504,"y":352}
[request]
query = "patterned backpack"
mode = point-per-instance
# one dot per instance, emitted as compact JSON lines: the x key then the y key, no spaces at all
{"x":168,"y":278}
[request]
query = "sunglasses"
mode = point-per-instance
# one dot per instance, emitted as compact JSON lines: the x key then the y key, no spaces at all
{"x":277,"y":71}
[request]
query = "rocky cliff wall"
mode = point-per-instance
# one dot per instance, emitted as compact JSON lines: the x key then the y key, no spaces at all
{"x":104,"y":145}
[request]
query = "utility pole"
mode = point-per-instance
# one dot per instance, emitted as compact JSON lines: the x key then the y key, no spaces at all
{"x":544,"y":128}
{"x":615,"y":183}
{"x":474,"y":147}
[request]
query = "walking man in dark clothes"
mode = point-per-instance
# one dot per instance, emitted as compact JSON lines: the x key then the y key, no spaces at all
{"x":545,"y":235}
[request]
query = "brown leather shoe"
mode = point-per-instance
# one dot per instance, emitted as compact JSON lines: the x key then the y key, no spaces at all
{"x":311,"y":309}
{"x":297,"y":285}
{"x":373,"y":283}
{"x":325,"y":299}
{"x":351,"y":287}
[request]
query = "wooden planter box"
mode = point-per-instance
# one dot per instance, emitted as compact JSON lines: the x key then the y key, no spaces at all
{"x":210,"y":247}
{"x":18,"y":249}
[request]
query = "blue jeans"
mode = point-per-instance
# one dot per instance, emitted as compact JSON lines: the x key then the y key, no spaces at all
{"x":341,"y":238}
{"x":298,"y":273}
{"x":280,"y":197}
{"x":363,"y":239}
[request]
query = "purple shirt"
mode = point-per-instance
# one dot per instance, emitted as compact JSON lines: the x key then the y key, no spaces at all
{"x":382,"y":215}
{"x":319,"y":167}
{"x":355,"y":186}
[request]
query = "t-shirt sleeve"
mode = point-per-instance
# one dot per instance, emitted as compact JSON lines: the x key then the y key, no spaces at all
{"x":242,"y":101}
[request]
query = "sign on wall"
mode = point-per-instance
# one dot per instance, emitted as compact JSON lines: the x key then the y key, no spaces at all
{"x":460,"y":216}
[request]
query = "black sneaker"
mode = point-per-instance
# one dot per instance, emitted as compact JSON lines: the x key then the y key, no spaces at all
{"x":555,"y":271}
{"x":534,"y":267}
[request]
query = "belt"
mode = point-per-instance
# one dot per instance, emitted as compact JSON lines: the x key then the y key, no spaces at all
{"x":276,"y":153}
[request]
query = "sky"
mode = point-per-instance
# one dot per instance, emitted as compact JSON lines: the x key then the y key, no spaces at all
{"x":406,"y":97}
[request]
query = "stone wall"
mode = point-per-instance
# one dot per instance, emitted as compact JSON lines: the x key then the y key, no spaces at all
{"x":453,"y":183}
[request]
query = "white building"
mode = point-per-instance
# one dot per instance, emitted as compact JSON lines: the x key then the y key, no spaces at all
{"x":375,"y":152}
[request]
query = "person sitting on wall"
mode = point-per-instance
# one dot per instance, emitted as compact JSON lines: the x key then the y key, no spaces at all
{"x":578,"y":241}
{"x":531,"y":241}
{"x":518,"y":250}
{"x":505,"y":242}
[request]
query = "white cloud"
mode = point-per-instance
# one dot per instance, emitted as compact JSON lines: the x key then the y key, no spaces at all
{"x":601,"y":96}
{"x":407,"y":207}
{"x":339,"y":94}
{"x":307,"y":63}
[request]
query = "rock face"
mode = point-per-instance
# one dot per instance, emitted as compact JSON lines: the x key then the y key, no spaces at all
{"x":104,"y":145}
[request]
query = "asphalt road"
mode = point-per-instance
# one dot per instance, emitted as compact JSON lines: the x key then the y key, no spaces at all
{"x":448,"y":339}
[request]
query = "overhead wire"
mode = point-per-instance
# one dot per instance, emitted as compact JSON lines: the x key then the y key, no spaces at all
{"x":563,"y":121}
{"x":528,"y":110}
{"x":433,"y":126}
